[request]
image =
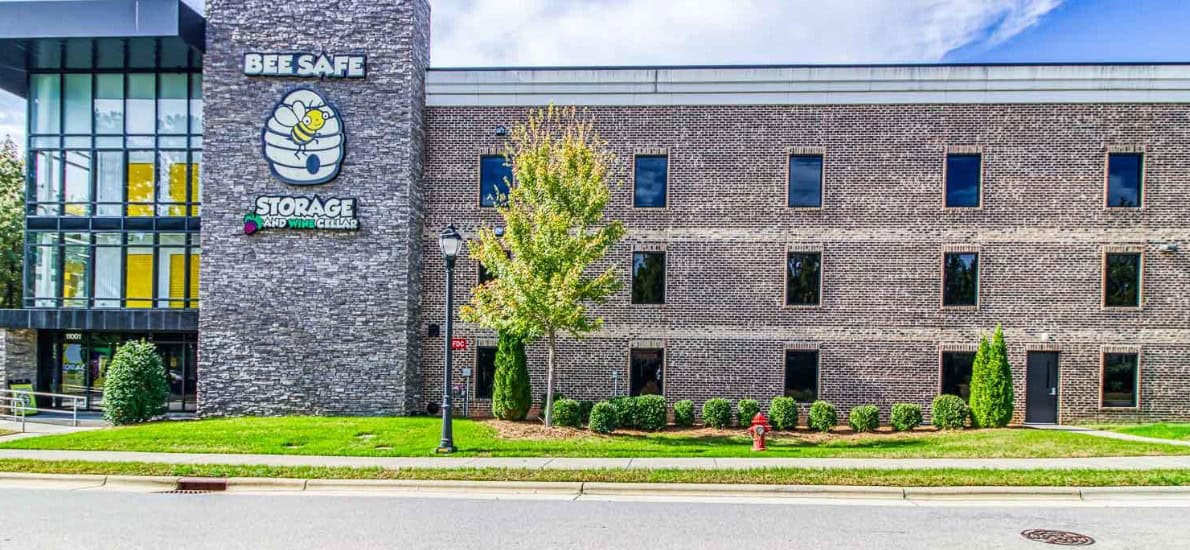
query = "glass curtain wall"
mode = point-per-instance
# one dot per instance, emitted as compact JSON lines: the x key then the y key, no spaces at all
{"x":115,"y":146}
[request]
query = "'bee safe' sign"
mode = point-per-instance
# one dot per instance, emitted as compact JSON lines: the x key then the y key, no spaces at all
{"x":305,"y":65}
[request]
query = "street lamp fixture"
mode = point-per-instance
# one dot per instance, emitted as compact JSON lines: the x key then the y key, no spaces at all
{"x":450,"y":241}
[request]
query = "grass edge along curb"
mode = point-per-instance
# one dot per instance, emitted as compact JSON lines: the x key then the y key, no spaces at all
{"x":944,"y":477}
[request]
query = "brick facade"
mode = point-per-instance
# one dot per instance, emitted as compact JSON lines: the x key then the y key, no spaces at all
{"x":1041,"y":231}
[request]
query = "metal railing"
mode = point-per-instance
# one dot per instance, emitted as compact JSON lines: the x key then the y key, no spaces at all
{"x":18,"y":405}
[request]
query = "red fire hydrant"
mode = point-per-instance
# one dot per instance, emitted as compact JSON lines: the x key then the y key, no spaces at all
{"x":759,"y":429}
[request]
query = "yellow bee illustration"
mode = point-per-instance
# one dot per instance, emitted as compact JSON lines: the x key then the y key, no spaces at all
{"x":303,"y":138}
{"x":305,"y":123}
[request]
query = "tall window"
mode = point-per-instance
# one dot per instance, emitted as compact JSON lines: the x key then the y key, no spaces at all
{"x":962,"y":180}
{"x":495,"y":175}
{"x":801,"y":375}
{"x":960,"y":284}
{"x":1121,"y":280}
{"x":1124,"y":179}
{"x":485,"y":371}
{"x":646,"y":371}
{"x":648,"y":277}
{"x":1121,"y":377}
{"x":805,"y":181}
{"x":114,"y":195}
{"x":956,"y":373}
{"x":803,"y":278}
{"x":650,"y":181}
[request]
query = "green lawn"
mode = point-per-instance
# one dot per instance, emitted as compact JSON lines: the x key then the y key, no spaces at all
{"x":1162,"y":430}
{"x":419,"y":437}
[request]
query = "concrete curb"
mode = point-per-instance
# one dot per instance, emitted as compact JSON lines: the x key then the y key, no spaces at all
{"x":995,"y":493}
{"x":141,"y":483}
{"x":742,"y":490}
{"x":444,"y":486}
{"x":51,"y":481}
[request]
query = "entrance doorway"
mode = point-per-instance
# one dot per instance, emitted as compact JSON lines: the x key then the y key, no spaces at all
{"x":1041,"y":387}
{"x":77,"y":363}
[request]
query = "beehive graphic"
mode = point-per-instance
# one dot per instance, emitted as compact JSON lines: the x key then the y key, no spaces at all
{"x":303,"y":139}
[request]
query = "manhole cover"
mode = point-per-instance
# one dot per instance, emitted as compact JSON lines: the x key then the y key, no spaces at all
{"x":1060,"y":538}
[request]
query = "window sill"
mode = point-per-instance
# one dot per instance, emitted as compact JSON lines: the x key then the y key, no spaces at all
{"x":1122,"y":309}
{"x":1140,"y":208}
{"x":806,"y":208}
{"x":961,"y":208}
{"x":654,"y":208}
{"x":1119,"y":409}
{"x":647,"y":305}
{"x":960,"y":308}
{"x":801,"y":306}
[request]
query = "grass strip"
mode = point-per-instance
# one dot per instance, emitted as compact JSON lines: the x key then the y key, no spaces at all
{"x":769,"y":476}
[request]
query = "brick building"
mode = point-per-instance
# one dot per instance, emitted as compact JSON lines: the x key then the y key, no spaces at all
{"x":833,"y":232}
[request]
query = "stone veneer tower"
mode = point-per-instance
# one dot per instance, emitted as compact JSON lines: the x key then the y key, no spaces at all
{"x":314,"y":322}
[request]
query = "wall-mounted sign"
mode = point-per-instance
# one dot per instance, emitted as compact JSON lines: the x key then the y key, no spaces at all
{"x":458,"y":344}
{"x":277,"y":212}
{"x":303,"y":139}
{"x":305,"y":65}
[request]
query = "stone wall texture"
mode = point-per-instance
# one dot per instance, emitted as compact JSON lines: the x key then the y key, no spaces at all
{"x":313,"y":322}
{"x":18,"y":355}
{"x":1041,"y":233}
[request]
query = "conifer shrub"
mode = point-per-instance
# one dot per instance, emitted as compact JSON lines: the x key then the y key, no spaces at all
{"x":512,"y":394}
{"x":991,"y":383}
{"x":783,"y":413}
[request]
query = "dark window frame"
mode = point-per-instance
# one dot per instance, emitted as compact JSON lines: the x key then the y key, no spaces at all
{"x":945,"y":277}
{"x":785,"y":378}
{"x":789,"y":181}
{"x":817,"y":291}
{"x":632,"y":290}
{"x":1140,"y":181}
{"x":1104,"y":403}
{"x":943,"y":372}
{"x":947,"y":179}
{"x":479,"y":379}
{"x":665,"y":192}
{"x":661,"y":382}
{"x":1106,"y":283}
{"x":480,"y":182}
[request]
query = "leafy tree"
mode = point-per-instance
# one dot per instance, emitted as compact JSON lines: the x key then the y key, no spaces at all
{"x":512,"y":394}
{"x":135,"y":388}
{"x":991,"y":383}
{"x":12,"y":222}
{"x":554,"y":230}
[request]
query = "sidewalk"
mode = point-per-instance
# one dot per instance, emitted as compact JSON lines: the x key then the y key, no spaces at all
{"x":1110,"y":434}
{"x":1102,"y":463}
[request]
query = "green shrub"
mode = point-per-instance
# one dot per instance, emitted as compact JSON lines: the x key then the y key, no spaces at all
{"x":584,"y":410}
{"x":650,"y":412}
{"x":991,"y":383}
{"x":822,"y":416}
{"x":684,"y":413}
{"x":136,"y":388}
{"x":716,"y":413}
{"x":625,"y":411}
{"x":748,"y":409}
{"x":905,"y":416}
{"x":566,"y":413}
{"x":783,"y":413}
{"x":949,"y":412}
{"x":603,"y":418}
{"x":864,"y":418}
{"x":512,"y":395}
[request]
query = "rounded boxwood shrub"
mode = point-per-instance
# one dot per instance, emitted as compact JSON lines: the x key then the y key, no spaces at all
{"x":783,"y":413}
{"x":584,"y":410}
{"x":716,"y":413}
{"x":650,"y":412}
{"x":748,"y":409}
{"x":566,"y":413}
{"x":625,"y":411}
{"x":905,"y":416}
{"x":136,"y":388}
{"x":603,"y":418}
{"x":684,"y":413}
{"x":949,"y":412}
{"x":822,"y":416}
{"x":864,"y":418}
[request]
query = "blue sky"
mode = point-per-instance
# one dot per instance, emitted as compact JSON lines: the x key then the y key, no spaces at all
{"x":675,"y":32}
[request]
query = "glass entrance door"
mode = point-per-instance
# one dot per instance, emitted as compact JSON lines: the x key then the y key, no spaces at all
{"x":180,"y":368}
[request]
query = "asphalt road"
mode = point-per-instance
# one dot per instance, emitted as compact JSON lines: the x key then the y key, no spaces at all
{"x":32,"y":519}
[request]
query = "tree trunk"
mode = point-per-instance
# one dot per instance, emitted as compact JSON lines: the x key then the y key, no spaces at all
{"x":549,"y":383}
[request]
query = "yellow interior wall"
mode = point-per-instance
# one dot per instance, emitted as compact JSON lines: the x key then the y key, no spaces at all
{"x":138,"y":283}
{"x":140,"y":188}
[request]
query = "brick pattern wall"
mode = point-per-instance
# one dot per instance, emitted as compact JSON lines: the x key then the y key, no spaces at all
{"x":1041,"y":232}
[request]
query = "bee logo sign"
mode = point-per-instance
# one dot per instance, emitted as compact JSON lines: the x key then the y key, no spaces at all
{"x":303,"y":139}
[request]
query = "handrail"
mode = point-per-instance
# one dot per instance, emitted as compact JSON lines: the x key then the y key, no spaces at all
{"x":19,"y":400}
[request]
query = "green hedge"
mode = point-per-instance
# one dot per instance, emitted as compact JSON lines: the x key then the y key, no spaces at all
{"x":822,"y":416}
{"x":716,"y":413}
{"x":650,"y":412}
{"x":949,"y":412}
{"x":625,"y":411}
{"x":603,"y":418}
{"x":864,"y":418}
{"x":684,"y":413}
{"x":748,"y":409}
{"x":783,"y":413}
{"x":567,"y":413}
{"x":905,"y":416}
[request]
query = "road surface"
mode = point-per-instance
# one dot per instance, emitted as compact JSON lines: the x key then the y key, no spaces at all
{"x":98,"y":519}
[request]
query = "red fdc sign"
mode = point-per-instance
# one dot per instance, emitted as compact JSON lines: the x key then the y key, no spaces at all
{"x":458,"y":344}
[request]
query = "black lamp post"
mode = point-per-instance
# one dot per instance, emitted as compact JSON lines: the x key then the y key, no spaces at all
{"x":451,"y":242}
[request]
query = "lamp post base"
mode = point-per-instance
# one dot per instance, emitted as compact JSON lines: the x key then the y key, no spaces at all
{"x":444,"y":450}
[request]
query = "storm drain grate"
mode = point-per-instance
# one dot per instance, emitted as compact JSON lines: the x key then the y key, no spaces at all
{"x":1060,"y":538}
{"x":185,"y":492}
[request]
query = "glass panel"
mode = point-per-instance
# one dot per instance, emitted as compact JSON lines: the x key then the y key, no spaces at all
{"x":1119,"y":379}
{"x":45,"y":269}
{"x":648,"y":278}
{"x":485,"y":372}
{"x":171,"y":270}
{"x":196,"y":103}
{"x":74,"y":269}
{"x":74,"y":370}
{"x":172,"y":142}
{"x":102,"y":349}
{"x":494,"y":175}
{"x":961,"y":284}
{"x":140,"y":183}
{"x":802,"y":278}
{"x":196,"y":182}
{"x":48,"y":180}
{"x":645,"y":376}
{"x":111,"y":53}
{"x":962,"y":180}
{"x":112,"y":142}
{"x":171,"y":196}
{"x":142,"y":53}
{"x":805,"y":181}
{"x":108,"y":262}
{"x":801,"y":375}
{"x":195,"y":262}
{"x":109,"y":173}
{"x":45,"y":108}
{"x":140,"y":115}
{"x":1122,"y":281}
{"x":47,"y":54}
{"x":174,"y":53}
{"x":956,"y":373}
{"x":138,"y":272}
{"x":45,"y":142}
{"x":1124,"y":180}
{"x":76,"y":142}
{"x":78,"y":103}
{"x":78,"y":53}
{"x":141,"y":142}
{"x":78,"y":183}
{"x":650,"y":175}
{"x":109,"y":104}
{"x":171,"y":104}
